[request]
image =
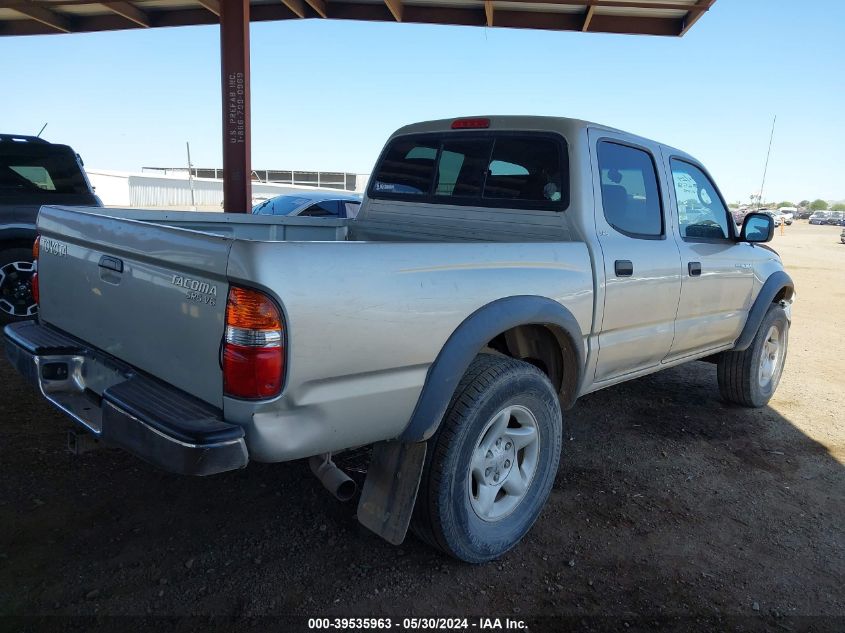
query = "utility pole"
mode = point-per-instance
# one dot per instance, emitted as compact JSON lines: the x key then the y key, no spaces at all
{"x":191,"y":177}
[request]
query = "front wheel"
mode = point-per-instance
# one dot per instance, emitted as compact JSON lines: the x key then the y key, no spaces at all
{"x":491,"y":465}
{"x":750,"y":377}
{"x":16,"y":300}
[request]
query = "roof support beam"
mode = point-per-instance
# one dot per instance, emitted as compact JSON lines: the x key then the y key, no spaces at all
{"x":588,"y":17}
{"x":633,"y":4}
{"x":211,"y":5}
{"x":694,"y":14}
{"x":319,"y":6}
{"x":395,"y":7}
{"x":234,"y":67}
{"x":130,"y":12}
{"x":488,"y":11}
{"x":44,"y":16}
{"x":296,"y":6}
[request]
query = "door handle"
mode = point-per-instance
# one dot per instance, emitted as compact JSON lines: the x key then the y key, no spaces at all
{"x":694,"y":269}
{"x":111,"y":263}
{"x":623,"y":267}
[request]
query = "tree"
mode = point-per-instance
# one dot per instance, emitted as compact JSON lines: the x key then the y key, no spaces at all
{"x":785,"y":203}
{"x":804,"y":204}
{"x":818,"y":205}
{"x":839,"y":206}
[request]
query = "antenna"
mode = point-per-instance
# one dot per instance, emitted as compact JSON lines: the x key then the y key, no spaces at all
{"x":42,"y":129}
{"x":766,"y":167}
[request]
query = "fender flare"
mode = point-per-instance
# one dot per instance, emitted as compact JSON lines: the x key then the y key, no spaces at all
{"x":469,"y":338}
{"x":774,"y":284}
{"x":17,"y":233}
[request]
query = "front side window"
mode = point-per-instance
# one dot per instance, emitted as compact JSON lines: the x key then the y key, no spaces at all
{"x":701,"y":214}
{"x":505,"y":170}
{"x":629,"y":192}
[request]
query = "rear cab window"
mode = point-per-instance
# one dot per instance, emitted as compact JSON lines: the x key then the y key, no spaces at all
{"x":40,"y":169}
{"x":491,"y":169}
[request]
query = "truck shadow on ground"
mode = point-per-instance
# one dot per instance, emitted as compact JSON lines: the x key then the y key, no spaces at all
{"x":668,"y":501}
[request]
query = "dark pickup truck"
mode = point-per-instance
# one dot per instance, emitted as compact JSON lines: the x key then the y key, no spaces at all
{"x":33,"y":172}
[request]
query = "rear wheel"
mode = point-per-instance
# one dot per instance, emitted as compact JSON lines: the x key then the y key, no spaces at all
{"x":491,"y":465}
{"x":750,"y":377}
{"x":16,"y":270}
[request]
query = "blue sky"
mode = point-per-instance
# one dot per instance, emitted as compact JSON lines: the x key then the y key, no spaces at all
{"x":325,"y":95}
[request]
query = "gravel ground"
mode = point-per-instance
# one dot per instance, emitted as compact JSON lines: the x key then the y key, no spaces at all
{"x":669,"y":504}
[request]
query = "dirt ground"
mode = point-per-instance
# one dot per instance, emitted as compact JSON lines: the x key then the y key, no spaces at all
{"x":670,"y":506}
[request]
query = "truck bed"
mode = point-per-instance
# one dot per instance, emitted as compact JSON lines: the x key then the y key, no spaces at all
{"x":242,"y":226}
{"x":364,"y":319}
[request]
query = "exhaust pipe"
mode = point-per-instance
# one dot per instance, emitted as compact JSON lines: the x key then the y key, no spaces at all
{"x":333,"y":478}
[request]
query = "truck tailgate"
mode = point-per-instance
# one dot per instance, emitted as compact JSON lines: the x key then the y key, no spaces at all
{"x":150,"y":295}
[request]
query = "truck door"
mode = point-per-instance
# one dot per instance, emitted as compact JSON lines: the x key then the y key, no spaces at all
{"x":642,"y":269}
{"x":717,"y":272}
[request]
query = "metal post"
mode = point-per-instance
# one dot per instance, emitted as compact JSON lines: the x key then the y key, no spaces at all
{"x":191,"y":177}
{"x":234,"y":58}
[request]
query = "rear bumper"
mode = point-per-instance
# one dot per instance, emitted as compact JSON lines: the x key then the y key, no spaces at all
{"x":112,"y":401}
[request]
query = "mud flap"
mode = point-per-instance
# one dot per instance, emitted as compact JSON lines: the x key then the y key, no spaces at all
{"x":390,"y":489}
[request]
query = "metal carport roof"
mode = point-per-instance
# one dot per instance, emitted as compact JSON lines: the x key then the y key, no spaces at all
{"x":652,"y":17}
{"x":37,"y":17}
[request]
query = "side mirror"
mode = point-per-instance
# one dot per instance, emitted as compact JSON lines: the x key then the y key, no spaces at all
{"x":757,"y":227}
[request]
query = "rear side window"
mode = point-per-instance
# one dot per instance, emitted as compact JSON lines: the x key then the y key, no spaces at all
{"x":351,"y":207}
{"x":629,"y":193}
{"x":324,"y":209}
{"x":486,"y":169}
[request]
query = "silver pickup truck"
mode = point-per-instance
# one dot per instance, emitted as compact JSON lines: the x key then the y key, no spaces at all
{"x":499,"y":268}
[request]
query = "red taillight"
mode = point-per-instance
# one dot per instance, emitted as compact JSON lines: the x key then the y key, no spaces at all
{"x":254,"y":348}
{"x":34,"y":281}
{"x":470,"y":124}
{"x":34,"y":285}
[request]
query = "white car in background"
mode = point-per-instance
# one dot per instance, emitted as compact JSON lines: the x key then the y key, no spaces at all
{"x":311,"y":204}
{"x":788,"y":213}
{"x":777,"y":217}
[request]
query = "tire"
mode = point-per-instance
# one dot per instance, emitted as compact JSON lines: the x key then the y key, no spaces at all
{"x":16,"y":301}
{"x":470,"y":503}
{"x":750,"y":378}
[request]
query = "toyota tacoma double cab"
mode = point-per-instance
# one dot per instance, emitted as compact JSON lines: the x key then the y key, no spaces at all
{"x":499,"y":268}
{"x":32,"y":172}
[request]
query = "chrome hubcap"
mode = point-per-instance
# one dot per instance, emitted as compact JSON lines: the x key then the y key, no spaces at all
{"x":771,"y":356}
{"x":16,"y":289}
{"x":504,"y":462}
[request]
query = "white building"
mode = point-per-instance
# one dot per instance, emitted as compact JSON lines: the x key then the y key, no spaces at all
{"x":173,"y":190}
